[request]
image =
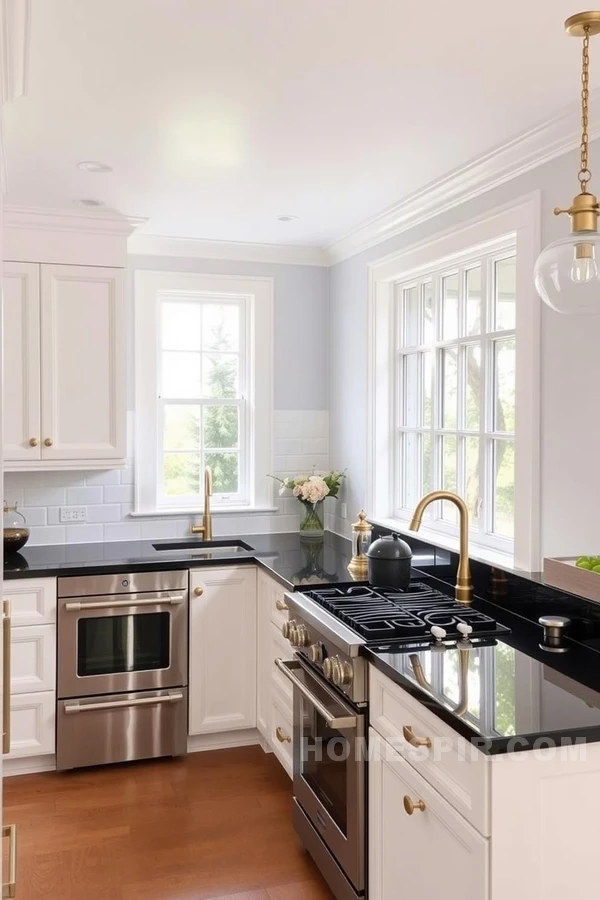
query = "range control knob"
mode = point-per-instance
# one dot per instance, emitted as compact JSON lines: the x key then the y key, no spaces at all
{"x":343,"y":673}
{"x":315,"y":653}
{"x":301,"y":636}
{"x":328,"y":668}
{"x":286,"y":628}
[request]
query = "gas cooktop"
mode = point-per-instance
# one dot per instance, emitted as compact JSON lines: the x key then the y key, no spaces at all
{"x":385,"y":614}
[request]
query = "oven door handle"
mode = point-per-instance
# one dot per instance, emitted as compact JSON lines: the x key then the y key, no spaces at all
{"x":75,"y":605}
{"x":71,"y":708}
{"x":339,"y":722}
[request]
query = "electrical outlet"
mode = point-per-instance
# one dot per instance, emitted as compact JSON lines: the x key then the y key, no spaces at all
{"x":72,"y":514}
{"x":343,"y":511}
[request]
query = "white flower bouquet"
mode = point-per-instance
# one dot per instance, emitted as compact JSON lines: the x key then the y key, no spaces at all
{"x":311,"y":491}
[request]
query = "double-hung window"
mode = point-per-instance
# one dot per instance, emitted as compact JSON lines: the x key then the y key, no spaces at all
{"x":454,"y":384}
{"x":203,"y":390}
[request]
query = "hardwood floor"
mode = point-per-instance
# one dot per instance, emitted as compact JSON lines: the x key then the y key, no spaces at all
{"x":210,"y":825}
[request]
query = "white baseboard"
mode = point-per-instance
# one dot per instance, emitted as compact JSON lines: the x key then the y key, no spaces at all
{"x":29,"y":765}
{"x":244,"y":737}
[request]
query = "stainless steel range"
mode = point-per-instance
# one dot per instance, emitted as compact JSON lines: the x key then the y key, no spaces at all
{"x":328,"y":627}
{"x":122,"y":667}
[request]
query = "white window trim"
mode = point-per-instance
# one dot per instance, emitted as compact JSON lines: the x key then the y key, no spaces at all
{"x":521,"y":219}
{"x":258,"y":294}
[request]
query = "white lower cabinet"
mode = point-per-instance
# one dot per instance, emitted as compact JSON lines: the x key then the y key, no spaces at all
{"x":222,"y":648}
{"x":33,"y":659}
{"x":32,"y":724}
{"x":433,"y":852}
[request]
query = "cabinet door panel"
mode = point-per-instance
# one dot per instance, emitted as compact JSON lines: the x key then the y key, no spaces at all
{"x":21,"y":349}
{"x":32,"y":724}
{"x":32,"y":600}
{"x":430,"y":853}
{"x":33,"y":659}
{"x":222,"y":688}
{"x":83,"y":363}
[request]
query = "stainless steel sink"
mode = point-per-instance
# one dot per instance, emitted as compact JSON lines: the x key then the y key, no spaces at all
{"x":204,"y":548}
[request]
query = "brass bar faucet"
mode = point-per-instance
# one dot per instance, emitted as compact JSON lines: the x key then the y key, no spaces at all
{"x":464,"y":585}
{"x":206,"y":527}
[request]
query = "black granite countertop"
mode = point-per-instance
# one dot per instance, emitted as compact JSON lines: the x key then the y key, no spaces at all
{"x":517,"y":695}
{"x":294,"y":560}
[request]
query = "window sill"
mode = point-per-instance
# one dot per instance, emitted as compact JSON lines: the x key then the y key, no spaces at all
{"x":215,"y":511}
{"x":485,"y":555}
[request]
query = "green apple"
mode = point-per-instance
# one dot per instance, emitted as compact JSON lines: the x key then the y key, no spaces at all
{"x":584,"y":562}
{"x":596,"y":569}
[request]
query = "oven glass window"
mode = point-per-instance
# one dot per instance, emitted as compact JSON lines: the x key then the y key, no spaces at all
{"x":325,"y":757}
{"x":111,"y":644}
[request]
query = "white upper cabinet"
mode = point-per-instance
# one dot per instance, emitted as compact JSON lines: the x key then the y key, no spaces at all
{"x":21,"y":406}
{"x":64,"y":376}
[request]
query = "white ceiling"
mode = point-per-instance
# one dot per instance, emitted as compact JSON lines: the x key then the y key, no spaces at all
{"x":219,"y":116}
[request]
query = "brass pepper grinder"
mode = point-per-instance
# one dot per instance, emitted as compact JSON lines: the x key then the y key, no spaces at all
{"x":361,"y":540}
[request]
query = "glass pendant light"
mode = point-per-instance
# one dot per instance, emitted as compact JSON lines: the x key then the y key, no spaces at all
{"x":567,"y":272}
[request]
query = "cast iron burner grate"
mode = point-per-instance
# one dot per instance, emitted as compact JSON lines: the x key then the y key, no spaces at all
{"x":378,"y":614}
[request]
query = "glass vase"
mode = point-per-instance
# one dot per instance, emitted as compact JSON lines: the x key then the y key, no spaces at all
{"x":313,"y":519}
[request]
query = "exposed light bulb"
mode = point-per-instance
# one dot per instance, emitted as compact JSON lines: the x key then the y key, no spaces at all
{"x":584,"y":268}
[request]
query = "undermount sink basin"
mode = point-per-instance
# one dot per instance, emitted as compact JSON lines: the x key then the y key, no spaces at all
{"x":204,"y":548}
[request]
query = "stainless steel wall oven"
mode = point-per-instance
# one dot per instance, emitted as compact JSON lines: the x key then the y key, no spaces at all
{"x":122,"y":667}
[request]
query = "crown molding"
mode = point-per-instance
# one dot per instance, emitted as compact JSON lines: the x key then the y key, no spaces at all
{"x":15,"y":22}
{"x":80,"y":221}
{"x":158,"y":245}
{"x":532,"y":148}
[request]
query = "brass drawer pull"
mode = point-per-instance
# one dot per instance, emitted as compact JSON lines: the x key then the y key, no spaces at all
{"x":411,"y":805}
{"x":198,"y":591}
{"x":411,"y":737}
{"x":280,"y":605}
{"x":6,"y":622}
{"x":9,"y":888}
{"x":48,"y":442}
{"x":33,"y":442}
{"x":281,"y":736}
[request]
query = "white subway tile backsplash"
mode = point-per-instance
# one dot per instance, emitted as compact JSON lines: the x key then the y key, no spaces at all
{"x":104,"y":512}
{"x":85,"y":534}
{"x":81,"y":496}
{"x":122,"y":493}
{"x":300,"y":442}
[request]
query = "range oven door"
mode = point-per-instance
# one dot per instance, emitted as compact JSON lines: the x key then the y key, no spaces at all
{"x":108,"y":644}
{"x":329,"y":768}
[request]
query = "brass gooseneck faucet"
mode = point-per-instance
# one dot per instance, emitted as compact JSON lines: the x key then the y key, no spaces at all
{"x":206,"y":528}
{"x":464,"y":585}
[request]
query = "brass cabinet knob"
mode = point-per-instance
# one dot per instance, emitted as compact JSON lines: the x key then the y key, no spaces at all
{"x":48,"y":442}
{"x":198,"y":591}
{"x":281,"y":736}
{"x":280,"y":605}
{"x":412,"y":738}
{"x":33,"y":442}
{"x":411,"y":805}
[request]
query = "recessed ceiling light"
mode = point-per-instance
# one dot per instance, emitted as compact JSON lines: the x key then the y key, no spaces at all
{"x":287,"y":218}
{"x":92,"y":165}
{"x":88,"y":202}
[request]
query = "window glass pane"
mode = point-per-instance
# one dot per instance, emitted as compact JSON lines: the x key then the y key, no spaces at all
{"x":505,"y":294}
{"x":426,"y":464}
{"x":221,"y":326}
{"x":473,"y":311}
{"x":221,"y":427}
{"x":181,"y":427}
{"x":504,"y":488}
{"x":504,"y":385}
{"x":220,"y":375}
{"x":411,"y":470}
{"x":225,"y":468}
{"x":411,"y":317}
{"x":410,"y":389}
{"x":473,"y":387}
{"x":427,"y":388}
{"x":449,"y":476}
{"x":181,"y":474}
{"x":472,"y":493}
{"x":181,"y":326}
{"x":449,"y":372}
{"x":428,"y":332}
{"x":181,"y":375}
{"x":449,"y":307}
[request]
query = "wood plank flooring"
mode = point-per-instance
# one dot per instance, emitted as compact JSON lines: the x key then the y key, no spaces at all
{"x":209,"y":825}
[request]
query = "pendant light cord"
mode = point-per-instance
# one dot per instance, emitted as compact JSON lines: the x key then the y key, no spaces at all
{"x":584,"y":172}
